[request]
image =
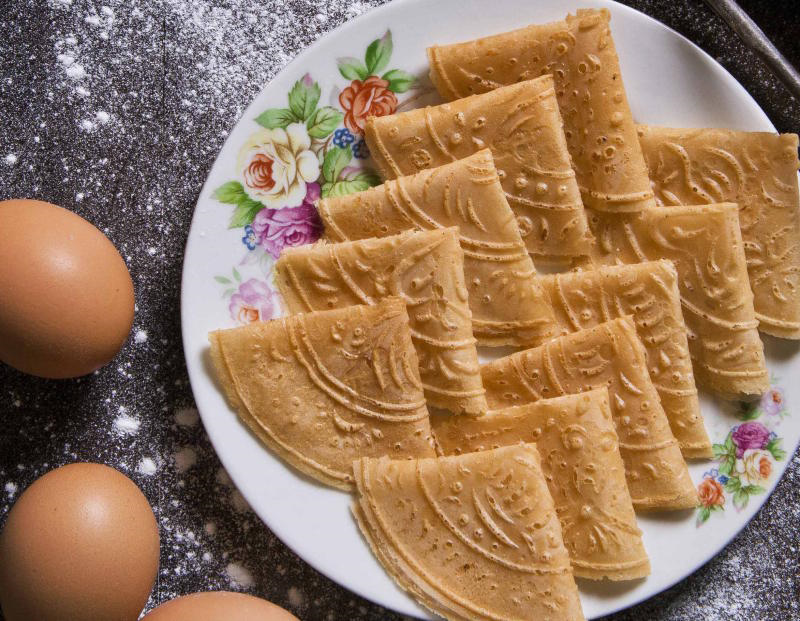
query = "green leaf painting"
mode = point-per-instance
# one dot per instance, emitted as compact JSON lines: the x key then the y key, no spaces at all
{"x":399,"y":81}
{"x":335,"y":161}
{"x":378,"y":53}
{"x":352,"y":68}
{"x":276,"y":117}
{"x":303,"y":98}
{"x":324,"y":121}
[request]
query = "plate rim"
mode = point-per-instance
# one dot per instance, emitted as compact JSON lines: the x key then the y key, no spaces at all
{"x":192,"y":365}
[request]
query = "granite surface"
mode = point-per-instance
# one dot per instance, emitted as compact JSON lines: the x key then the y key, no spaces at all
{"x":116,"y":109}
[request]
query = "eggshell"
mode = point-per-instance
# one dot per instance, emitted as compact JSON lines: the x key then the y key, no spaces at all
{"x":66,"y":297}
{"x":219,"y":606}
{"x":80,"y":544}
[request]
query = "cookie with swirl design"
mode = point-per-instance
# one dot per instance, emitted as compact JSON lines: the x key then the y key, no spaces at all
{"x":323,"y":389}
{"x":522,"y":127}
{"x":471,"y":537}
{"x":579,"y":52}
{"x":611,"y":355}
{"x":426,"y":270}
{"x":584,"y":471}
{"x":648,"y":292}
{"x":758,"y":171}
{"x":508,"y":307}
{"x":705,"y":244}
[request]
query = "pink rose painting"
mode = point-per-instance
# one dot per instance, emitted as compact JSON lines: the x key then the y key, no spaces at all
{"x":253,"y":301}
{"x":292,"y":226}
{"x":752,"y":435}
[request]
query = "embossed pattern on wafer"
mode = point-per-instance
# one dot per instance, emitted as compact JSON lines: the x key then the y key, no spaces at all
{"x":471,"y":537}
{"x":648,"y":292}
{"x":758,"y":171}
{"x":522,"y":127}
{"x":607,"y":355}
{"x":508,"y":307}
{"x":426,"y":270}
{"x":579,"y":52}
{"x":323,"y":389}
{"x":583,"y":468}
{"x":705,"y":244}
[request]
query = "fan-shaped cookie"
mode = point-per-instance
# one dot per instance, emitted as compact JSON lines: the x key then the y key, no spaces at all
{"x":584,"y":471}
{"x":579,"y":52}
{"x":522,"y":127}
{"x":472,"y":537}
{"x":648,"y":292}
{"x":758,"y":171}
{"x":607,"y":355}
{"x":326,"y":388}
{"x":705,"y":244}
{"x":508,"y":308}
{"x":426,"y":270}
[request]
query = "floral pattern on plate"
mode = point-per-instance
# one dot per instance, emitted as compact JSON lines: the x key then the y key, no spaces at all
{"x":746,"y":458}
{"x":300,"y":154}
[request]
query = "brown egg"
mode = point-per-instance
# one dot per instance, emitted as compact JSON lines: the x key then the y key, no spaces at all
{"x":219,"y":606}
{"x":80,"y":544}
{"x":66,"y":297}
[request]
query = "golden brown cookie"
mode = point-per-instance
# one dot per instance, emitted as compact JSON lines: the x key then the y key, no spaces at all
{"x":522,"y":127}
{"x":705,"y":244}
{"x":583,"y":468}
{"x":611,"y":355}
{"x":579,"y":52}
{"x":471,"y":537}
{"x":508,"y":307}
{"x":426,"y":270}
{"x":648,"y":292}
{"x":326,"y":388}
{"x":758,"y":171}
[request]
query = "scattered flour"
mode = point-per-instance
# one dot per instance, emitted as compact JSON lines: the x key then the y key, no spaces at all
{"x":126,"y":425}
{"x":140,"y":337}
{"x":238,"y":501}
{"x":223,"y":478}
{"x":295,"y":596}
{"x":11,"y":159}
{"x":11,"y":488}
{"x":184,"y":458}
{"x":76,"y":71}
{"x":239,"y":576}
{"x":187,"y":417}
{"x":147,"y":466}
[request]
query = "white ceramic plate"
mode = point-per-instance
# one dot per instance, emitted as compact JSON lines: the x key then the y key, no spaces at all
{"x":227,"y":272}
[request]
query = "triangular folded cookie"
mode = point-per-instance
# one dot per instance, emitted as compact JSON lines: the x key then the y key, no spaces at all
{"x":522,"y":127}
{"x":648,"y":292}
{"x":579,"y":52}
{"x":326,"y":388}
{"x":426,"y":270}
{"x":470,"y":537}
{"x":508,"y":308}
{"x":607,"y":355}
{"x":705,"y":244}
{"x":758,"y":171}
{"x":584,"y":471}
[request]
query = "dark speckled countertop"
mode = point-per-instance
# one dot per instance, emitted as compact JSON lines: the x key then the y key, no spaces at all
{"x":116,"y":109}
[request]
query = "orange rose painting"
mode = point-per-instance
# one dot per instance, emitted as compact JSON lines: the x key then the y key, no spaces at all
{"x":371,"y":93}
{"x":710,"y":493}
{"x":361,"y":100}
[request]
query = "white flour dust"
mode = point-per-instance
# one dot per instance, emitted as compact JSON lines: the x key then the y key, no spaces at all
{"x":239,"y":576}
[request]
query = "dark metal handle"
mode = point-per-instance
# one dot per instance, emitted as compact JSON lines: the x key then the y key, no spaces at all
{"x":755,"y":39}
